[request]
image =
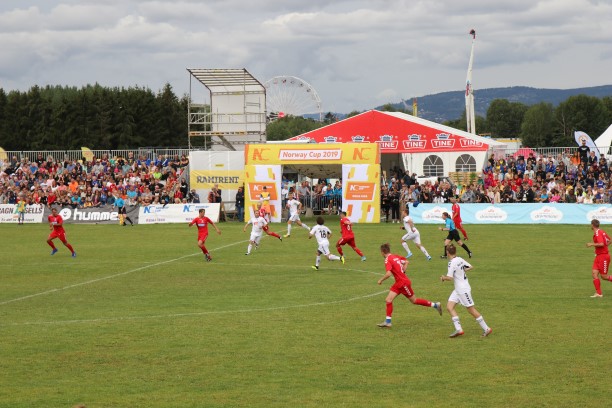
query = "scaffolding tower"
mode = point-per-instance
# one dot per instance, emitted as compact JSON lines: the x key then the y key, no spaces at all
{"x":233,"y":113}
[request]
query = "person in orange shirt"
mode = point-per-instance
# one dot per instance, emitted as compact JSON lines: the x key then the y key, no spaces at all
{"x":73,"y":185}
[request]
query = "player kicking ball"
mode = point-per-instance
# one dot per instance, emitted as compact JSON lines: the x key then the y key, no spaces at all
{"x":457,"y":268}
{"x":322,"y":233}
{"x":396,"y":266}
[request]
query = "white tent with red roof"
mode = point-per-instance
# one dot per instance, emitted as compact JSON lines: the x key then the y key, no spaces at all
{"x":423,"y":147}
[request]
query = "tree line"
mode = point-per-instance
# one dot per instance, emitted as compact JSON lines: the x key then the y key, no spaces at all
{"x":66,"y":118}
{"x":101,"y":118}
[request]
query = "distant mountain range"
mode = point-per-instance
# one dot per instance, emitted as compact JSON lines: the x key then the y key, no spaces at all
{"x":445,"y":106}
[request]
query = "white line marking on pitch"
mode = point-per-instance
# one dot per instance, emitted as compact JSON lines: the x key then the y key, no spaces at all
{"x":6,"y":302}
{"x":192,"y":314}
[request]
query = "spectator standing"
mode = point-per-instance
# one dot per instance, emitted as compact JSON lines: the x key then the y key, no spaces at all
{"x":583,"y":152}
{"x":240,"y":204}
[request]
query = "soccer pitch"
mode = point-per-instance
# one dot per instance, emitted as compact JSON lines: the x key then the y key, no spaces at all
{"x":139,"y":319}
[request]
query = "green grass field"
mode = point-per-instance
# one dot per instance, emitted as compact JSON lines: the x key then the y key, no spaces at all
{"x":139,"y":319}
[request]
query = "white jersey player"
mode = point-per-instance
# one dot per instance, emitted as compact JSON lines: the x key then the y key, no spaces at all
{"x":259,"y":224}
{"x":412,"y":234}
{"x":457,"y":268}
{"x":294,"y":206}
{"x":322,"y":234}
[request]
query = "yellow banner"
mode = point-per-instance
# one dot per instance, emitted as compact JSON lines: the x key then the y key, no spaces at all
{"x":226,"y":179}
{"x":87,"y":153}
{"x":3,"y":155}
{"x":323,"y":153}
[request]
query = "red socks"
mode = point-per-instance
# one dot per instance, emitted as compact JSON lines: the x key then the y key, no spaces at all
{"x":389,"y":309}
{"x":358,"y":251}
{"x":422,"y":302}
{"x":51,"y":244}
{"x":597,"y":284}
{"x":339,"y":248}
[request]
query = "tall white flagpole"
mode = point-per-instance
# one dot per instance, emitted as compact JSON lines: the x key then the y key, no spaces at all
{"x":469,"y":91}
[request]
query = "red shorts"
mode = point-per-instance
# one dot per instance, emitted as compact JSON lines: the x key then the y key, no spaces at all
{"x":403,"y":288}
{"x":602,"y":263}
{"x":457,"y":223}
{"x":202,"y":237}
{"x":344,"y":241}
{"x":58,"y":234}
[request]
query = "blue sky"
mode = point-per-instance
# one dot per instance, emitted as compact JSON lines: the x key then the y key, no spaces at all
{"x":356,"y":54}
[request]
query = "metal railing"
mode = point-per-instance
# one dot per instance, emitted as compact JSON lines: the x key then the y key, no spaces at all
{"x":61,"y":155}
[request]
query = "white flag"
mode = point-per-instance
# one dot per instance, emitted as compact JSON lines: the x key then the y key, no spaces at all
{"x":580,"y":136}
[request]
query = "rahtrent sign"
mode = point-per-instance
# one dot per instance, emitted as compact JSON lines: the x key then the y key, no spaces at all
{"x":176,"y":213}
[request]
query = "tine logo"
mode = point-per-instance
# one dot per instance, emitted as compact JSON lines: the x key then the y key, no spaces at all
{"x":360,"y":190}
{"x":415,"y":142}
{"x":330,"y":139}
{"x":443,"y":141}
{"x":386,"y":142}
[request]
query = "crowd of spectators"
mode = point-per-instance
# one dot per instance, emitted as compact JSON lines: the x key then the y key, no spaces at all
{"x":578,"y":177}
{"x":97,"y":182}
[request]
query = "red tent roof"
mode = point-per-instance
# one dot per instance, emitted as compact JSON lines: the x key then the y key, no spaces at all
{"x":398,"y":133}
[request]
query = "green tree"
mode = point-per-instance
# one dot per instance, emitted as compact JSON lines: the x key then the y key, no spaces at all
{"x":538,"y":127}
{"x":579,"y":112}
{"x":290,"y":126}
{"x":504,"y":118}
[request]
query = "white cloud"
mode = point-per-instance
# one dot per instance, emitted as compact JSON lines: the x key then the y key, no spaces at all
{"x":355,"y":53}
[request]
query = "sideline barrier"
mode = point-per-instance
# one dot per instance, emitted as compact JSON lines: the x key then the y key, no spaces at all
{"x":176,"y":213}
{"x":516,"y":213}
{"x":33,"y":213}
{"x":92,"y":215}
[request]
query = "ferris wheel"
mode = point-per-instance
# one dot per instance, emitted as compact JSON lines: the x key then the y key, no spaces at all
{"x":289,"y":95}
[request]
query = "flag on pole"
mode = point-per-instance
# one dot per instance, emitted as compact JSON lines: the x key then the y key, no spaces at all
{"x":581,"y":136}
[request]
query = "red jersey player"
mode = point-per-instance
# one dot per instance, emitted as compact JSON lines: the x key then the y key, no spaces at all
{"x":348,"y":236}
{"x":263,"y":213}
{"x":202,"y":222}
{"x":56,"y":224}
{"x":601,"y":240}
{"x":456,"y":217}
{"x":396,"y":265}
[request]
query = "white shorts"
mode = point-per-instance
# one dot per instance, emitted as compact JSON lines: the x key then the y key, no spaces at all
{"x":255,"y":238}
{"x":324,"y":249}
{"x":413,"y":236}
{"x":295,"y":217}
{"x":464,"y":298}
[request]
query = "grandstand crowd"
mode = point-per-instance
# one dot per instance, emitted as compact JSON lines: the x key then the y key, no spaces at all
{"x":570,"y":177}
{"x":96,"y":182}
{"x":565,"y":178}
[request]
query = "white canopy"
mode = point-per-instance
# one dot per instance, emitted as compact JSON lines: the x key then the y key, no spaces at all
{"x":604,"y":141}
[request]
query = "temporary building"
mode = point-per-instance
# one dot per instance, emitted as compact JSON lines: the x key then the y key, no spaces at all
{"x":423,"y":147}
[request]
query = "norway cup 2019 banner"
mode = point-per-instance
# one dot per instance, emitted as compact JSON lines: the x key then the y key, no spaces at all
{"x":360,"y":164}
